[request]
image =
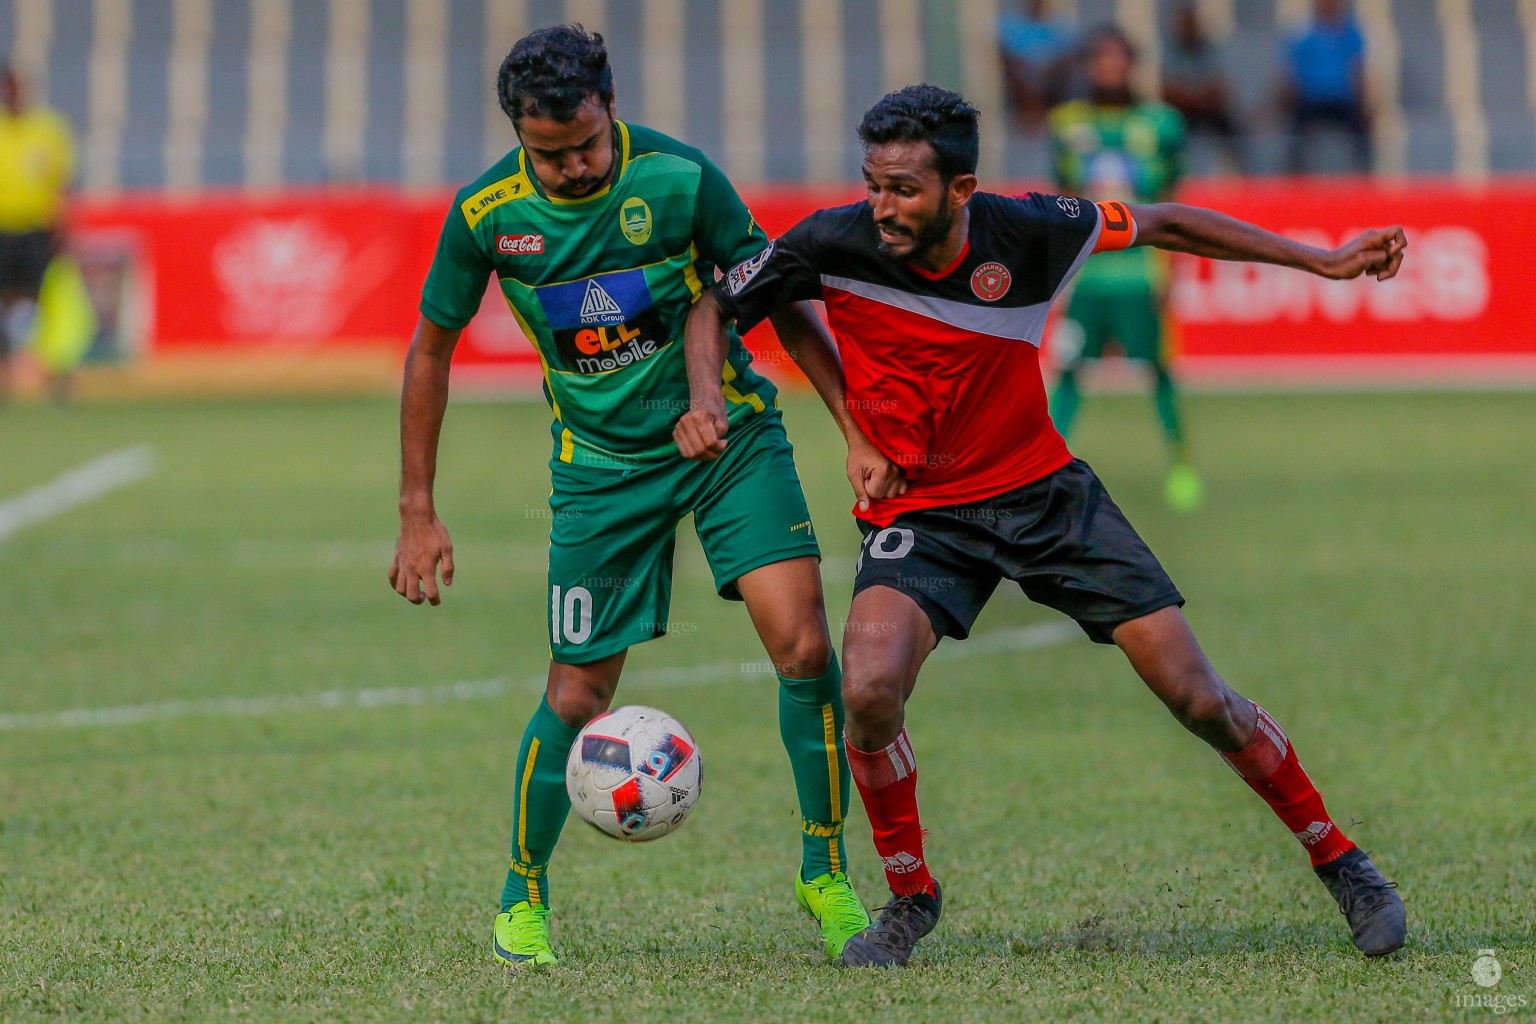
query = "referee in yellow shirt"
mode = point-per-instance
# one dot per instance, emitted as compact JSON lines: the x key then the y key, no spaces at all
{"x":37,"y":161}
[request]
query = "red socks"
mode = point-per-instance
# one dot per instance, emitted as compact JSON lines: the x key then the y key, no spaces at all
{"x":887,"y":781}
{"x":1269,"y":765}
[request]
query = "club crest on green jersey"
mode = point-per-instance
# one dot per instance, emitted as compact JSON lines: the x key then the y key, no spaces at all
{"x":635,"y":220}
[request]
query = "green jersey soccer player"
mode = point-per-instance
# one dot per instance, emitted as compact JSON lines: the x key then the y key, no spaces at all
{"x":601,"y":235}
{"x":1113,"y":146}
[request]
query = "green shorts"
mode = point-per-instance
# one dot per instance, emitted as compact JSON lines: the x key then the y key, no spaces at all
{"x":614,"y":533}
{"x":1129,"y":315}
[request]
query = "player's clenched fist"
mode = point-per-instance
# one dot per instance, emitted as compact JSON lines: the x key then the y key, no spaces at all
{"x":423,"y":546}
{"x":700,"y":434}
{"x":1376,"y":253}
{"x":872,"y":474}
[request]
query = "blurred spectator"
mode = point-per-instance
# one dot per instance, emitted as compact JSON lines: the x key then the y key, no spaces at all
{"x":1038,"y":48}
{"x":1195,"y":83}
{"x":1116,"y":146}
{"x":36,"y":163}
{"x":1325,"y":82}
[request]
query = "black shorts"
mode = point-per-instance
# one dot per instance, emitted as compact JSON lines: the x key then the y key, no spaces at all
{"x":1061,"y":538}
{"x":24,"y":257}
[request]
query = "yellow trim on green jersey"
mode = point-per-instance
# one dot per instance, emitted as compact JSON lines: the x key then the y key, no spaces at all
{"x":691,"y":275}
{"x":554,"y":404}
{"x":567,"y":439}
{"x":728,"y":374}
{"x":493,"y":195}
{"x":661,"y":227}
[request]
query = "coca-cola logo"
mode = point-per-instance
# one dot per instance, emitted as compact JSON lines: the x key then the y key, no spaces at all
{"x":520,"y":245}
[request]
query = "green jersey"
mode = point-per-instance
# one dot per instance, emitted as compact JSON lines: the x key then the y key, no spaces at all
{"x":602,"y":285}
{"x":1132,"y":153}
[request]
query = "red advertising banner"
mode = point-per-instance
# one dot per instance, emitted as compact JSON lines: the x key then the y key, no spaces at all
{"x":340,"y":270}
{"x":293,"y":269}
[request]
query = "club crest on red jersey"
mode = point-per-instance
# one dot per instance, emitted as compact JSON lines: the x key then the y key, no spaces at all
{"x":990,"y":281}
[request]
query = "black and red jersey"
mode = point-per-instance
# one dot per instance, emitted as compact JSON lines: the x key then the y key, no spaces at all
{"x":943,"y":368}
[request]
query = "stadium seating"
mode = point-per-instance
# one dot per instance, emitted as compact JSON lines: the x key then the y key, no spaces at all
{"x":310,"y":91}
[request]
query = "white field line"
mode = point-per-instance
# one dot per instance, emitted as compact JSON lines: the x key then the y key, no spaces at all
{"x":1044,"y":634}
{"x":76,"y":487}
{"x":283,"y":555}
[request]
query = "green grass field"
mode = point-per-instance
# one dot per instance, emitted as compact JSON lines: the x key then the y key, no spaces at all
{"x":242,"y":848}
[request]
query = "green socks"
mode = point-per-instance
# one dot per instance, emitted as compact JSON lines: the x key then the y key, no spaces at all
{"x":539,"y":807}
{"x":1166,"y":397}
{"x":811,"y":726}
{"x":810,"y":723}
{"x":1065,"y":401}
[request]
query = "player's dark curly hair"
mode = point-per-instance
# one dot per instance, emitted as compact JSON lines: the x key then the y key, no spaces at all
{"x":926,"y":113}
{"x":552,"y":72}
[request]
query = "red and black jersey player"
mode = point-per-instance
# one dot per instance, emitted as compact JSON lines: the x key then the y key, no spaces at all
{"x":937,"y":294}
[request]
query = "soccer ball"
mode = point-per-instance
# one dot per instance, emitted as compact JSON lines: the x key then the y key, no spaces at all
{"x":634,"y":773}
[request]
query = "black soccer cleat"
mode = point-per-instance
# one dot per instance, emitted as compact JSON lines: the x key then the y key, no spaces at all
{"x":1377,"y":920}
{"x":889,"y":941}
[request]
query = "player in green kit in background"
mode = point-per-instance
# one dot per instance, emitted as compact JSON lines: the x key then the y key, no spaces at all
{"x":1114,"y":146}
{"x":602,"y":234}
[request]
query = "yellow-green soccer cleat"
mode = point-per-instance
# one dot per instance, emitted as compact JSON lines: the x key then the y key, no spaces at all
{"x":522,"y":936}
{"x":1183,"y":489}
{"x":830,"y":899}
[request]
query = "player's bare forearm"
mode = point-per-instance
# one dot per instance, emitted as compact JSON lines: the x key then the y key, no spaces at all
{"x":423,"y":546}
{"x":705,"y":345}
{"x":700,"y":431}
{"x":810,"y":345}
{"x":1201,"y":232}
{"x":423,"y":401}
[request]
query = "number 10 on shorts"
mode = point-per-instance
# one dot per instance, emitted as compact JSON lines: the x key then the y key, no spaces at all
{"x":891,"y":542}
{"x":570,"y":616}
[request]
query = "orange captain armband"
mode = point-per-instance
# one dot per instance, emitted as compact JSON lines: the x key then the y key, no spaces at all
{"x":1117,"y":228}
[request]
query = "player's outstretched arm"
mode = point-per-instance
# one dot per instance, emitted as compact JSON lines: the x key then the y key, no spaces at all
{"x":423,"y":543}
{"x":700,"y":433}
{"x":810,"y":345}
{"x":1192,"y":229}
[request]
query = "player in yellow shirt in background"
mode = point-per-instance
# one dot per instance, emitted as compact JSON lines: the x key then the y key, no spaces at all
{"x":37,"y":161}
